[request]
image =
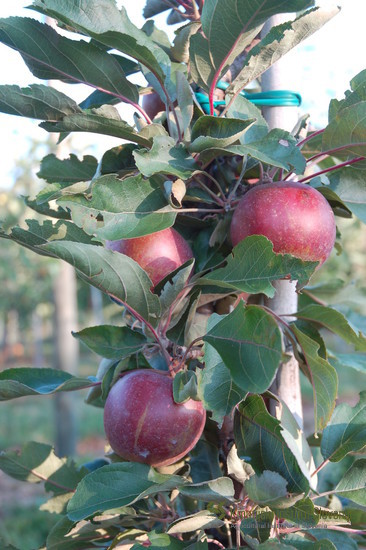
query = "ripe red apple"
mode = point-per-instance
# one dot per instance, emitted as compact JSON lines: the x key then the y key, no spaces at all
{"x":152,"y":104}
{"x":143,"y":423}
{"x":294,"y":216}
{"x":158,"y":253}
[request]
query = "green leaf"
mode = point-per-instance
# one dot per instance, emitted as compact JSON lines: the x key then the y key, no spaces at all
{"x":70,"y":535}
{"x":105,"y":121}
{"x":260,"y":440}
{"x":112,"y":27}
{"x":204,"y":462}
{"x":266,"y":488}
{"x":37,"y":462}
{"x":277,"y":42}
{"x":322,"y":376}
{"x":334,"y":321}
{"x":111,"y":272}
{"x":302,"y":513}
{"x":184,"y":386}
{"x":269,"y":489}
{"x":216,"y":389}
{"x":296,"y":434}
{"x":154,"y":7}
{"x":355,"y":95}
{"x":301,"y":543}
{"x":116,"y":485}
{"x":36,"y":101}
{"x":209,"y":131}
{"x":356,"y":361}
{"x":132,"y":207}
{"x":165,"y":157}
{"x":237,"y":468}
{"x":68,"y":176}
{"x":57,"y":504}
{"x":185,"y":101}
{"x":250,"y":345}
{"x":215,"y":490}
{"x":341,"y":541}
{"x":257,"y":527}
{"x":201,"y":67}
{"x":49,"y":55}
{"x":272,"y":544}
{"x":158,"y":36}
{"x":71,"y":170}
{"x":47,"y":209}
{"x":346,"y":431}
{"x":180,"y":48}
{"x":253,"y":265}
{"x":159,"y":541}
{"x":174,"y":286}
{"x":22,"y":381}
{"x":38,"y":234}
{"x":244,"y":19}
{"x":195,"y":522}
{"x":347,"y":129}
{"x":277,"y":148}
{"x":186,"y":325}
{"x":119,"y":160}
{"x":349,"y":184}
{"x":245,"y":109}
{"x":112,"y":342}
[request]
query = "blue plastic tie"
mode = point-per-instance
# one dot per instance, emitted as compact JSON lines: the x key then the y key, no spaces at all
{"x":274,"y":98}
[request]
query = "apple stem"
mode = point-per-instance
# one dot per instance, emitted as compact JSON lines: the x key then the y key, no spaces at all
{"x":196,"y":12}
{"x":202,"y":210}
{"x":324,"y":463}
{"x":213,"y":195}
{"x":216,"y":542}
{"x":183,"y":360}
{"x":309,"y":137}
{"x":332,"y":168}
{"x":238,"y":534}
{"x":330,"y":152}
{"x":141,"y":110}
{"x":239,"y":180}
{"x":214,"y":180}
{"x":149,"y":326}
{"x":183,"y":293}
{"x":172,"y":109}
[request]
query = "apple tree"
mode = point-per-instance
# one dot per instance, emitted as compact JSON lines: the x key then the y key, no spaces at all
{"x":187,"y":225}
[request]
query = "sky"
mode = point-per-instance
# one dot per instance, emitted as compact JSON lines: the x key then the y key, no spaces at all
{"x":320,"y":69}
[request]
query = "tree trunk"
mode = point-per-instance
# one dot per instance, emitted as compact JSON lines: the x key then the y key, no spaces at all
{"x":37,"y":338}
{"x":287,"y":383}
{"x":66,"y":356}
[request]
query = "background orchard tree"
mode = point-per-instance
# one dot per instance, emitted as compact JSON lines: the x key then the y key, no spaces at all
{"x":199,"y":341}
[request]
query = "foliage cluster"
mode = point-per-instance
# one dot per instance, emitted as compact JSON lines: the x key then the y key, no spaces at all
{"x":247,"y":483}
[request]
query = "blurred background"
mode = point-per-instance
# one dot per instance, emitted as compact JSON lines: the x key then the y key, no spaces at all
{"x":41,"y":301}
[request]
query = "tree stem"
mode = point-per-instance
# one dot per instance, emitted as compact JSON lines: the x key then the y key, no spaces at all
{"x":332,"y":168}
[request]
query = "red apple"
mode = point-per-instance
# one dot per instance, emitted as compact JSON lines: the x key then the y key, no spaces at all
{"x":143,"y":423}
{"x":158,"y":253}
{"x":294,"y":216}
{"x":152,"y":104}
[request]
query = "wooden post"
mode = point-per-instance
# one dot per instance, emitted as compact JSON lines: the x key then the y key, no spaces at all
{"x":280,"y":77}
